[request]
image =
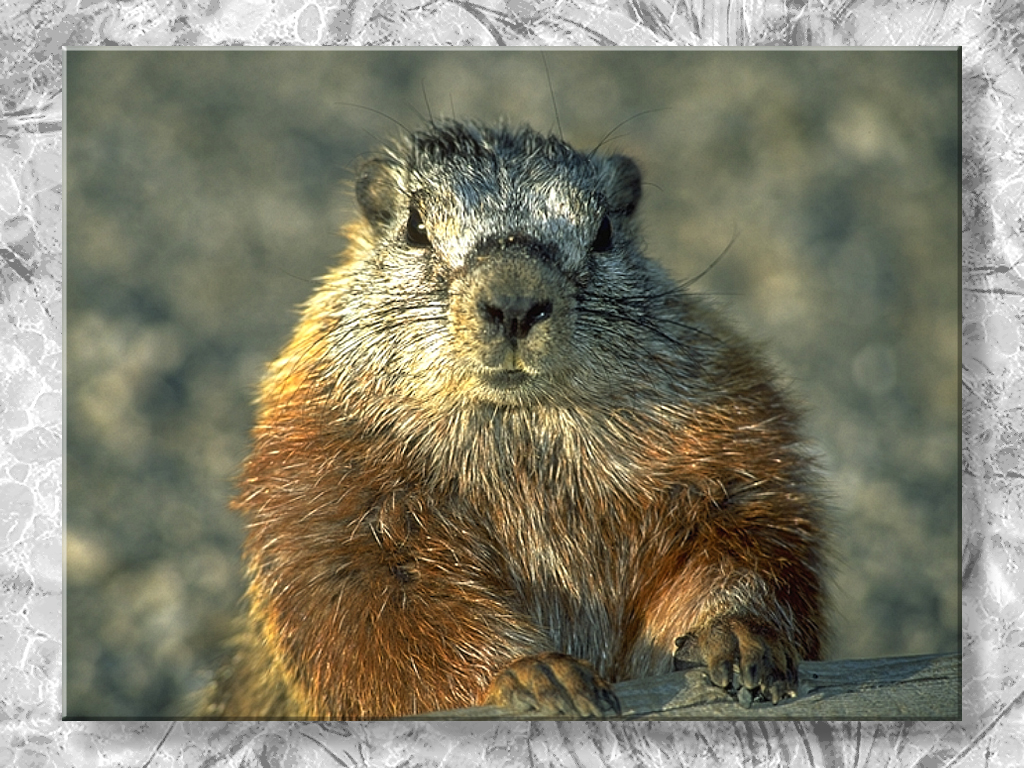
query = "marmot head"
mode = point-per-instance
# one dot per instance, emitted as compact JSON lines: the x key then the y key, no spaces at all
{"x":500,"y":265}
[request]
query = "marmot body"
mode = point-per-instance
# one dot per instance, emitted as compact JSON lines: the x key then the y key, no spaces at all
{"x":506,"y":459}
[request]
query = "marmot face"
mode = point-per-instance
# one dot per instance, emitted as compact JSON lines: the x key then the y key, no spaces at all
{"x":537,"y":286}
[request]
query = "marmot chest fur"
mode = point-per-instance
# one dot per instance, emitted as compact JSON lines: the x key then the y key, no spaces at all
{"x":506,"y":459}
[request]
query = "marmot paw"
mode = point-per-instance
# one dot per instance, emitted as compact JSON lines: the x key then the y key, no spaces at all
{"x":745,"y":655}
{"x":553,"y":685}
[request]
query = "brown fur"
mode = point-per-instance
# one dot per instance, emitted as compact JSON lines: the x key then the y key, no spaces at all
{"x":417,"y":524}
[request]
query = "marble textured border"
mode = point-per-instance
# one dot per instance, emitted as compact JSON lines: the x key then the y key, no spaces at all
{"x":33,"y":33}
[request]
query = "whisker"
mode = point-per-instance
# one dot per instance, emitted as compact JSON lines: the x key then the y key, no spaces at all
{"x":709,"y":267}
{"x":640,"y":322}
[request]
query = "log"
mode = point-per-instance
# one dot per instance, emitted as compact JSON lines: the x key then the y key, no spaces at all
{"x":898,"y":688}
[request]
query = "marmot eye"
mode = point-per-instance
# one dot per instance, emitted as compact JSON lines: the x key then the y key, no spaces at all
{"x":603,"y":238}
{"x":416,"y":230}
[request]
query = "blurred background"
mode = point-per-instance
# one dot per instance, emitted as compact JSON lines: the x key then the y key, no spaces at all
{"x":204,"y":193}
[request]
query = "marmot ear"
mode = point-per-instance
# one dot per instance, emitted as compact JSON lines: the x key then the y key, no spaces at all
{"x":377,"y":192}
{"x":624,"y":186}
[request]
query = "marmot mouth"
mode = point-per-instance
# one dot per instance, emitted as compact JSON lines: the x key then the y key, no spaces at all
{"x":505,"y":378}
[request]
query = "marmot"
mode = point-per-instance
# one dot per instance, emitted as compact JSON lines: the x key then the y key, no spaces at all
{"x":506,"y":459}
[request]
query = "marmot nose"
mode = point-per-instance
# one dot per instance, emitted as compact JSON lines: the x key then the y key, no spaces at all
{"x":514,"y":316}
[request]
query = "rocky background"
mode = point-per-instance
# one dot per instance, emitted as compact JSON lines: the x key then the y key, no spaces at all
{"x":203,"y":194}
